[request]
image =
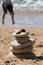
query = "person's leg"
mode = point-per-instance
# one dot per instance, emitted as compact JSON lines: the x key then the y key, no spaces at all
{"x":3,"y":17}
{"x":4,"y":12}
{"x":12,"y":17}
{"x":10,"y":9}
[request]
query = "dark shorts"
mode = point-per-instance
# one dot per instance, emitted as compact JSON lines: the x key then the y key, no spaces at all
{"x":7,"y":8}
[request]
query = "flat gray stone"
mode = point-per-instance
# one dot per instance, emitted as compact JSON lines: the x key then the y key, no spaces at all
{"x":23,"y":50}
{"x":17,"y":45}
{"x":22,"y":39}
{"x":29,"y":55}
{"x":22,"y":34}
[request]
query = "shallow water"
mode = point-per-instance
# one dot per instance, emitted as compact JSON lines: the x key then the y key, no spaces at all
{"x":30,"y":20}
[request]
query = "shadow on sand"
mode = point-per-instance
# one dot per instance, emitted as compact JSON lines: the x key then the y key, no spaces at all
{"x":30,"y":55}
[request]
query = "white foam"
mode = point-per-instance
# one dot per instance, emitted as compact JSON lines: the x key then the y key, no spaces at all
{"x":31,"y":3}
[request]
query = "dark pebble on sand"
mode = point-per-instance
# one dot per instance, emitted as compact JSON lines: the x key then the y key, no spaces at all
{"x":7,"y":62}
{"x":1,"y":40}
{"x":41,"y":42}
{"x":33,"y":34}
{"x":4,"y":38}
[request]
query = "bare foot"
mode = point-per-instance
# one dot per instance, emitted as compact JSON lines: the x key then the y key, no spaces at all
{"x":13,"y":22}
{"x":3,"y":23}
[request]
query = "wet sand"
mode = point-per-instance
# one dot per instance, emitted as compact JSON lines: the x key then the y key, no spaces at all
{"x":6,"y":38}
{"x":30,"y":18}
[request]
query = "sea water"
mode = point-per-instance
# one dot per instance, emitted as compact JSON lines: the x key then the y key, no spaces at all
{"x":27,"y":3}
{"x":31,"y":20}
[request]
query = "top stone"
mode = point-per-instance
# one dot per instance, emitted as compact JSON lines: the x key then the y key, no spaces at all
{"x":20,"y":33}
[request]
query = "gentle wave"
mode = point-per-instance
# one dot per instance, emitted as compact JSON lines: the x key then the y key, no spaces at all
{"x":26,"y":19}
{"x":26,"y":3}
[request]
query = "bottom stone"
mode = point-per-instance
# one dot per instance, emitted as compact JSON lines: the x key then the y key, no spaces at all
{"x":23,"y":50}
{"x":29,"y":55}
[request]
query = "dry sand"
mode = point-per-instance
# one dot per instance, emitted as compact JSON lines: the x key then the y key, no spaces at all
{"x":6,"y":38}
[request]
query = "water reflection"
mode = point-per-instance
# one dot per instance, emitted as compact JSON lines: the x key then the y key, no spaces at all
{"x":31,"y":20}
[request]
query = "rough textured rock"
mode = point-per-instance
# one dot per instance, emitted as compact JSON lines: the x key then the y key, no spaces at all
{"x":23,"y":50}
{"x":20,"y":33}
{"x":17,"y":45}
{"x":22,"y":39}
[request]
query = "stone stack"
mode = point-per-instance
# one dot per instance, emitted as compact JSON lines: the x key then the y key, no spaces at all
{"x":23,"y":43}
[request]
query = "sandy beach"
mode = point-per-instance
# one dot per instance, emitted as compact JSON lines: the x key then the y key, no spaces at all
{"x":6,"y":38}
{"x":34,"y":25}
{"x":27,"y":18}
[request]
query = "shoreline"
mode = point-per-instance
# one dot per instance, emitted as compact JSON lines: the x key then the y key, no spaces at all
{"x":24,"y":18}
{"x":26,"y":10}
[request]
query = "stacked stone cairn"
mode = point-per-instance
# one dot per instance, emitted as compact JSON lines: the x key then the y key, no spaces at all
{"x":22,"y":43}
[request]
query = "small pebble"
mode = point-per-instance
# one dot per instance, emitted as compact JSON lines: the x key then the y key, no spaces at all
{"x":7,"y":62}
{"x":33,"y":34}
{"x":1,"y":40}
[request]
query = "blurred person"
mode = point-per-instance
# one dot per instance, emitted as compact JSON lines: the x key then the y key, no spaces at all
{"x":7,"y":5}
